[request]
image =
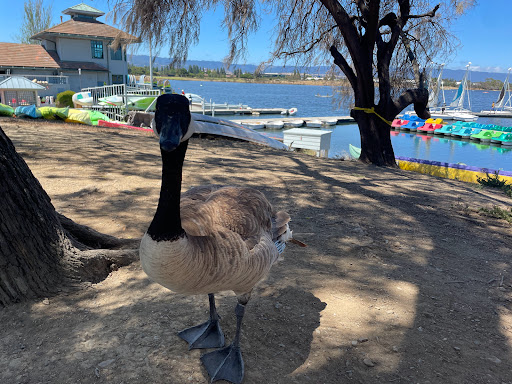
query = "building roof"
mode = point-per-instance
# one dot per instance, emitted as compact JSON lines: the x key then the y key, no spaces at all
{"x":19,"y":82}
{"x":90,"y":28}
{"x":83,"y":9}
{"x":26,"y":55}
{"x":35,"y":56}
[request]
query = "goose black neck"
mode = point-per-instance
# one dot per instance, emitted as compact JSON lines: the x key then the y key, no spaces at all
{"x":166,"y":225}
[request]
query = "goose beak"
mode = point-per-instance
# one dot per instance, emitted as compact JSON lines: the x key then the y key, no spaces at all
{"x":172,"y":119}
{"x":170,"y":132}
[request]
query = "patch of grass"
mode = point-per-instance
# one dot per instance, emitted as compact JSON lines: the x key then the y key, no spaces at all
{"x":494,"y":181}
{"x":498,"y":213}
{"x":462,"y":208}
{"x":508,"y":190}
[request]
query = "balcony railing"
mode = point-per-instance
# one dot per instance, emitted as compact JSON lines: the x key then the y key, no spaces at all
{"x":41,"y":79}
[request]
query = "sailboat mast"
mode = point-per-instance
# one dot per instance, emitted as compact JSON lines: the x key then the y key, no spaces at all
{"x":439,"y":82}
{"x":466,"y":88}
{"x":458,"y":99}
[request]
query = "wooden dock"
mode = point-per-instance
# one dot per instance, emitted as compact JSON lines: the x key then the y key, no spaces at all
{"x":220,"y":109}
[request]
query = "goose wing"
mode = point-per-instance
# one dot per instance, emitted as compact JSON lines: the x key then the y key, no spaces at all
{"x":244,"y":211}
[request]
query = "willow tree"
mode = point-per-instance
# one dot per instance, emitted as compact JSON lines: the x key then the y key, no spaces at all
{"x":381,"y":46}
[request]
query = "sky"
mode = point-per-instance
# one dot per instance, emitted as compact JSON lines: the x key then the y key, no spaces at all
{"x":484,"y":34}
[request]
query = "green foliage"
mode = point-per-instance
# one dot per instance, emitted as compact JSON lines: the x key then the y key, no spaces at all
{"x":494,"y":181}
{"x":449,"y":83}
{"x":508,"y":190}
{"x":498,"y":213}
{"x":36,"y":18}
{"x":489,"y":84}
{"x":64,"y":99}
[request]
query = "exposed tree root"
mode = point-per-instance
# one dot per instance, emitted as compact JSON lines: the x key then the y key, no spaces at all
{"x":92,"y":255}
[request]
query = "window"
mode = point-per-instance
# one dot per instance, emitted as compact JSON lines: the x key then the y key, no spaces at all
{"x":117,"y":79}
{"x":97,"y":49}
{"x":117,"y":54}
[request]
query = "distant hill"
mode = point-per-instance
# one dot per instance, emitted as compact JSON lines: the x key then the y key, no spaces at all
{"x":455,"y":74}
{"x":474,"y":76}
{"x":143,"y":60}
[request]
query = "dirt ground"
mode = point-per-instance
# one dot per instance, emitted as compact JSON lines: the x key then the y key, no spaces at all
{"x":403,"y":280}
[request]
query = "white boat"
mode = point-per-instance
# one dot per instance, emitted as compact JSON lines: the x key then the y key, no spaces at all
{"x":332,"y":121}
{"x":253,"y":124}
{"x":293,"y":123}
{"x":314,"y":123}
{"x":455,"y":110}
{"x":289,"y":112}
{"x":503,"y":106}
{"x":82,"y":98}
{"x":277,"y":124}
{"x":195,"y":99}
{"x":138,"y":102}
{"x":461,"y":116}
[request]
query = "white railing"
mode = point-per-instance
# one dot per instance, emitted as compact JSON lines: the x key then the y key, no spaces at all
{"x":117,"y":112}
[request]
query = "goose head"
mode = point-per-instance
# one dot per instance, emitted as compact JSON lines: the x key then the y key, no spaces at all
{"x":173,"y":123}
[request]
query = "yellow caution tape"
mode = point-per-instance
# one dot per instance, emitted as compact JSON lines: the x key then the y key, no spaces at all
{"x":372,"y":110}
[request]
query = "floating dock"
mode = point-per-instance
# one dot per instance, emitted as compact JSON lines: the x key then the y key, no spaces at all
{"x":272,"y":123}
{"x":506,"y":114}
{"x":225,"y":109}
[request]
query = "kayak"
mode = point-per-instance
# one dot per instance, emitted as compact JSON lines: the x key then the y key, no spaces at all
{"x":355,"y":152}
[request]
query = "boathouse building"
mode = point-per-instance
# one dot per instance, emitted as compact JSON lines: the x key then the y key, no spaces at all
{"x":75,"y":54}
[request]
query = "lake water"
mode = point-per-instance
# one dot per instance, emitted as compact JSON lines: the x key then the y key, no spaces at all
{"x":303,"y":98}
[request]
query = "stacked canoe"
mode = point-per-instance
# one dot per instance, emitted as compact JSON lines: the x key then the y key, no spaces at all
{"x":485,"y":133}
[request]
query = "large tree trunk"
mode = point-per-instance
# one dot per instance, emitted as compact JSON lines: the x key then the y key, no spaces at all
{"x":41,"y":250}
{"x":376,"y":147}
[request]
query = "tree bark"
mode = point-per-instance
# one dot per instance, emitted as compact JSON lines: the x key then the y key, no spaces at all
{"x":376,"y":146}
{"x":37,"y":254}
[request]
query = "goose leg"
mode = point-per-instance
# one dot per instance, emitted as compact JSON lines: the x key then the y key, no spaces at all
{"x":205,"y":335}
{"x":227,"y":363}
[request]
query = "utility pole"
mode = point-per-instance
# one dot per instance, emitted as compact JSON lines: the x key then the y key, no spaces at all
{"x":150,"y":65}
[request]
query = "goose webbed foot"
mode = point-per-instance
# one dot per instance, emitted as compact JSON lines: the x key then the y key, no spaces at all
{"x":205,"y":335}
{"x":225,"y":364}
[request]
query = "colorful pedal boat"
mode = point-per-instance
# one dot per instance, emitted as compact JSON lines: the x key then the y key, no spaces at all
{"x":413,"y":125}
{"x":465,"y":133}
{"x":397,"y":123}
{"x":448,"y":130}
{"x":412,"y":118}
{"x":430,"y":127}
{"x":485,"y":136}
{"x":504,"y":139}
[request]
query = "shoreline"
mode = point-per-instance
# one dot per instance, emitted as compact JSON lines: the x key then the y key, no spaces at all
{"x":332,"y":83}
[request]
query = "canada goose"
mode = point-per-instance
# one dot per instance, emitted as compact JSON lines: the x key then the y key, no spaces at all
{"x":207,"y":240}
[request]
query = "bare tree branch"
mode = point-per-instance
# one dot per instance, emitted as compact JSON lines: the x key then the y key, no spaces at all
{"x":340,"y":61}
